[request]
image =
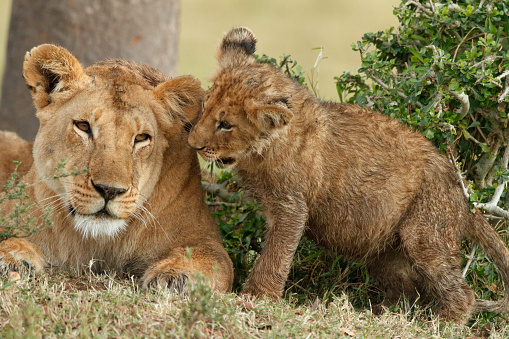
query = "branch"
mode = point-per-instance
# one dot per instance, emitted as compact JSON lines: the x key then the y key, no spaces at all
{"x":503,"y":75}
{"x":485,"y":163}
{"x":470,"y":257}
{"x":458,"y":172}
{"x":420,"y":7}
{"x":491,"y":206}
{"x":493,"y":209}
{"x":387,"y":87}
{"x":464,"y":101}
{"x":221,"y":191}
{"x":505,"y":93}
{"x":489,"y":58}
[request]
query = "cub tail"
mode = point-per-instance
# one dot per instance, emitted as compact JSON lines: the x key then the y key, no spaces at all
{"x":490,"y":241}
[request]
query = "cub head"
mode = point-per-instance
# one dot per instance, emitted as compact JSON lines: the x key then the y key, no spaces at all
{"x":111,"y":123}
{"x":248,"y":104}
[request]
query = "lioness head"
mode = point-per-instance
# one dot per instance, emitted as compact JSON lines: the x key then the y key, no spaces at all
{"x":246,"y":106}
{"x":112,"y":119}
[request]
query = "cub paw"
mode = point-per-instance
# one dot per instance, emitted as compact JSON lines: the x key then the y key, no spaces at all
{"x":20,"y":255}
{"x":269,"y":289}
{"x":175,"y":281}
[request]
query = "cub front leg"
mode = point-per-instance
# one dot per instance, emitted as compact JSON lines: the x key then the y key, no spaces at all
{"x":20,"y":255}
{"x":184,"y":263}
{"x":285,"y":226}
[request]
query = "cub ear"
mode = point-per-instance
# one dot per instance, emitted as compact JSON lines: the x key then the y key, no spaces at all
{"x":182,"y":96}
{"x":49,"y":69}
{"x":267,"y":117}
{"x":237,"y":47}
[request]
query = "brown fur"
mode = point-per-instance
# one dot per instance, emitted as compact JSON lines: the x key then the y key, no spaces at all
{"x":152,"y":185}
{"x":353,"y":180}
{"x":14,"y":148}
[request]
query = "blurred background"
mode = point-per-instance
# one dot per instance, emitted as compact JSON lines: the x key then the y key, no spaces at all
{"x":181,"y":37}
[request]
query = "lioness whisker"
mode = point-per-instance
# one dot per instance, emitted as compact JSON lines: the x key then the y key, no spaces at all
{"x":101,"y":214}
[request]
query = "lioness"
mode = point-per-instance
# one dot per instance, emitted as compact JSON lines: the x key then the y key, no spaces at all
{"x":353,"y":180}
{"x":138,"y":206}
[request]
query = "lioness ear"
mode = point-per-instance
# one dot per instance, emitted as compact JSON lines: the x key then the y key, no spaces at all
{"x":237,"y":47}
{"x":49,"y":69}
{"x":267,"y":117}
{"x":182,"y":96}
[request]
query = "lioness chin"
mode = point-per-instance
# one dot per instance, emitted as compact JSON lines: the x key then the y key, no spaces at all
{"x":351,"y":179}
{"x":138,"y":207}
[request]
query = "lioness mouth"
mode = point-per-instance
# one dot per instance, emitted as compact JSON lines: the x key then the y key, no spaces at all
{"x":102,"y":214}
{"x":226,"y":161}
{"x":98,"y":224}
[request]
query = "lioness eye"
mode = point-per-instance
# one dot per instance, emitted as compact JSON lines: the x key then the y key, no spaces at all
{"x":141,"y":137}
{"x":83,"y":125}
{"x":224,"y":125}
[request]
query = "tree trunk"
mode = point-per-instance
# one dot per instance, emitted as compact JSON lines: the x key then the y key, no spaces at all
{"x":144,"y":31}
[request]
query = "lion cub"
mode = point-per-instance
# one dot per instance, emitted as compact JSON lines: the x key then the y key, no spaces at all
{"x":351,"y":179}
{"x":138,"y":208}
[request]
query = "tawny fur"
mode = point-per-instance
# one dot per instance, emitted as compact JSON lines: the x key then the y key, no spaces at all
{"x":351,"y":179}
{"x":13,"y":148}
{"x":152,"y":185}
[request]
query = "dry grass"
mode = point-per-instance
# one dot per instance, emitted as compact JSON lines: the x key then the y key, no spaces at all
{"x":66,"y":305}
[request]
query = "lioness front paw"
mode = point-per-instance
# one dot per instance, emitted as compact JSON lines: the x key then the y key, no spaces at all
{"x":157,"y":277}
{"x":20,"y":255}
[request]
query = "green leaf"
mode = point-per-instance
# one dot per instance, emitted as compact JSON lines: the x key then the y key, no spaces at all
{"x":361,"y":100}
{"x":416,"y":54}
{"x":474,"y":124}
{"x":429,"y":134}
{"x":454,"y":85}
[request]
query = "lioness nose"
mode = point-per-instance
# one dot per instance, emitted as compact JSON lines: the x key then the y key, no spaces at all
{"x":108,"y":192}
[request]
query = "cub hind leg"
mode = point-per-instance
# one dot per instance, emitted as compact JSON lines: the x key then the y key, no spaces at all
{"x":434,"y":251}
{"x":395,"y":275}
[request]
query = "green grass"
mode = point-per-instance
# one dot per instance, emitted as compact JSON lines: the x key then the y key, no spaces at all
{"x":67,"y":305}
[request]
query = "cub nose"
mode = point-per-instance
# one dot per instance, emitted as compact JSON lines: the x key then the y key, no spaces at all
{"x":108,"y":192}
{"x":197,"y":148}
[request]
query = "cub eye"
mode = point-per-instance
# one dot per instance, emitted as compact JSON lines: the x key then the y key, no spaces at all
{"x":141,"y":137}
{"x":224,"y":125}
{"x":83,"y":126}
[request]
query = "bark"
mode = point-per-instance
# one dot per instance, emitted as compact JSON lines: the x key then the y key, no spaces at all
{"x":144,"y":31}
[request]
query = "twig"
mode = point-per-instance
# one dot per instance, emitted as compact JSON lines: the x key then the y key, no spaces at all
{"x":387,"y":87}
{"x":461,"y":43}
{"x":491,"y":206}
{"x":221,"y":191}
{"x":452,"y":160}
{"x":503,"y":75}
{"x":419,"y":6}
{"x":489,"y":58}
{"x":505,"y":93}
{"x":465,"y":192}
{"x":470,"y":259}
